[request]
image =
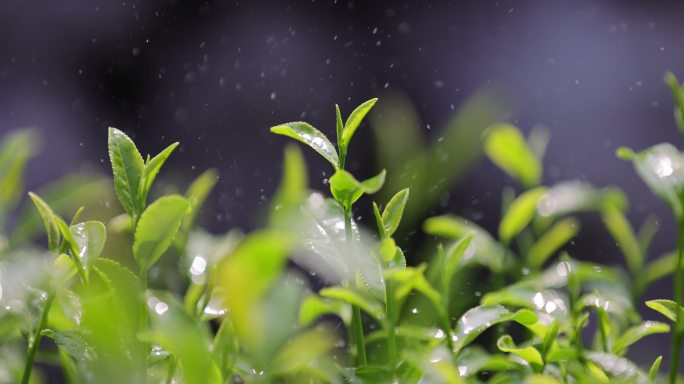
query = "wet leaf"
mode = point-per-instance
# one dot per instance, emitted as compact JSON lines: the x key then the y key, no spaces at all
{"x":90,"y":237}
{"x":480,"y":318}
{"x":526,"y":295}
{"x":519,"y":214}
{"x":391,"y":215}
{"x":149,"y":173}
{"x":636,"y":333}
{"x":551,"y":241}
{"x":310,"y":136}
{"x":157,"y":228}
{"x":357,"y":298}
{"x":506,"y":147}
{"x":577,"y":196}
{"x":346,"y":189}
{"x":661,"y":167}
{"x":127,"y":166}
{"x":49,"y":220}
{"x":353,"y":122}
{"x":617,"y":367}
{"x":667,"y":308}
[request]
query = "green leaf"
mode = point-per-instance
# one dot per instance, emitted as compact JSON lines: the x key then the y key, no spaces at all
{"x":506,"y":147}
{"x":636,"y":333}
{"x":310,"y":136}
{"x":49,"y":220}
{"x":346,"y":189}
{"x":410,"y":279}
{"x":577,"y":196}
{"x":127,"y":166}
{"x":183,"y":336}
{"x":525,"y":295}
{"x":667,"y":308}
{"x":653,"y":372}
{"x":678,"y":96}
{"x":617,"y":367}
{"x":550,"y":338}
{"x":16,"y":149}
{"x":661,"y":167}
{"x":225,"y":349}
{"x":623,"y":233}
{"x":647,"y":231}
{"x":357,"y":298}
{"x":453,"y":257}
{"x":354,"y":120}
{"x":339,"y":125}
{"x":391,"y":215}
{"x":314,"y":306}
{"x":665,"y":265}
{"x":479,"y":319}
{"x":157,"y":228}
{"x":551,"y":241}
{"x":529,"y":353}
{"x":487,"y":251}
{"x":196,"y":194}
{"x":90,"y":237}
{"x":519,"y":214}
{"x":302,"y":351}
{"x":149,"y":173}
{"x":292,"y":190}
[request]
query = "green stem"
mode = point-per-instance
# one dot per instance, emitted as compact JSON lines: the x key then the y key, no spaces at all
{"x":33,"y":349}
{"x":679,"y":291}
{"x":144,"y":325}
{"x":357,"y":325}
{"x":391,"y":332}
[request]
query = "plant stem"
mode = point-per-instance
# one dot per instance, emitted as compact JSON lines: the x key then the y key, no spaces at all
{"x":679,"y":287}
{"x":391,"y":333}
{"x":33,"y":349}
{"x":357,"y":325}
{"x":143,"y":324}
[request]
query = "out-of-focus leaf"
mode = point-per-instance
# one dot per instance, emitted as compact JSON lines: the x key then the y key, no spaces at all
{"x":577,"y":196}
{"x":72,"y":342}
{"x":302,"y":351}
{"x":661,"y":167}
{"x":64,"y":196}
{"x":617,"y":367}
{"x":506,"y":147}
{"x":410,"y":279}
{"x":149,"y":173}
{"x":483,"y":249}
{"x":475,"y":359}
{"x":430,"y":170}
{"x":453,"y":257}
{"x":157,"y":228}
{"x":678,"y":95}
{"x":179,"y":333}
{"x":90,"y":237}
{"x":16,"y":149}
{"x":196,"y":194}
{"x":127,"y":166}
{"x":646,"y":233}
{"x":519,"y":214}
{"x":314,"y":306}
{"x":292,"y":188}
{"x":437,"y":367}
{"x":391,"y":215}
{"x":621,"y":230}
{"x":665,"y":265}
{"x":559,"y":234}
{"x":478,"y":319}
{"x":653,"y":372}
{"x":353,"y":122}
{"x":525,"y":295}
{"x":529,"y":353}
{"x":636,"y":333}
{"x":225,"y":348}
{"x":310,"y":136}
{"x":357,"y":298}
{"x":346,"y":189}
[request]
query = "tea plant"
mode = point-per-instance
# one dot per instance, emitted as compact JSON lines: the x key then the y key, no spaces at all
{"x":147,"y":296}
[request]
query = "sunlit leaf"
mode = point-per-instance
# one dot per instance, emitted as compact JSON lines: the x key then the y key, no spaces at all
{"x":157,"y":228}
{"x":127,"y":166}
{"x":90,"y":237}
{"x":506,"y":147}
{"x":346,"y":189}
{"x":479,"y":319}
{"x":354,"y":120}
{"x":310,"y":136}
{"x":519,"y":214}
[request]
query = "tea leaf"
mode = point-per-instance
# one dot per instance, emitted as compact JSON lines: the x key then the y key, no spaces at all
{"x":506,"y":147}
{"x":314,"y":306}
{"x":519,"y":214}
{"x":577,"y":196}
{"x":453,"y":257}
{"x":196,"y":194}
{"x":346,"y":189}
{"x":667,"y":308}
{"x":478,"y":319}
{"x":617,"y":367}
{"x":354,"y":120}
{"x":157,"y":228}
{"x":653,"y":372}
{"x":225,"y":348}
{"x":678,"y":95}
{"x":552,"y":240}
{"x":665,"y":265}
{"x":310,"y":136}
{"x":636,"y":333}
{"x":410,"y":279}
{"x":357,"y":298}
{"x":90,"y":237}
{"x":391,"y":215}
{"x":530,"y":354}
{"x":661,"y":167}
{"x":621,"y":230}
{"x":149,"y":173}
{"x":127,"y":166}
{"x":49,"y":220}
{"x":16,"y":149}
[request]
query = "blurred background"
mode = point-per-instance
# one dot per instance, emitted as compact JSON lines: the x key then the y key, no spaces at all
{"x":216,"y":75}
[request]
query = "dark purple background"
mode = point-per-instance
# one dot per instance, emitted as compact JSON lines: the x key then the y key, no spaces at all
{"x":216,"y":75}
